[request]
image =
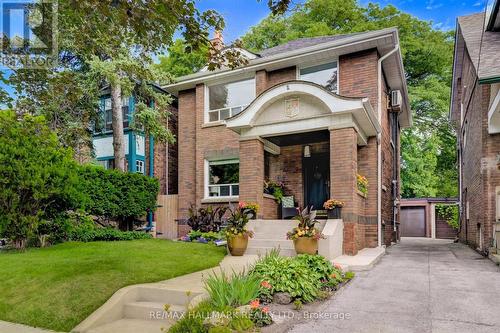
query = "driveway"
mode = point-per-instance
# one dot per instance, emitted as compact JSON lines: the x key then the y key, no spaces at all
{"x":420,"y":285}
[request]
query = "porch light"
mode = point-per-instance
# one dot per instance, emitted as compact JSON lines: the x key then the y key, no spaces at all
{"x":307,"y":151}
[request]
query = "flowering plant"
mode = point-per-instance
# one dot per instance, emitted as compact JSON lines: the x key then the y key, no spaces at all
{"x":252,"y":207}
{"x":266,"y":292}
{"x":237,"y":221}
{"x":362,"y":183}
{"x":275,"y":189}
{"x":306,"y":228}
{"x":260,"y":315}
{"x":332,"y":203}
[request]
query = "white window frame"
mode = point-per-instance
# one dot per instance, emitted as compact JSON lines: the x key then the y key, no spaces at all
{"x":230,"y":108}
{"x":308,"y":65}
{"x":207,"y":179}
{"x":139,"y":166}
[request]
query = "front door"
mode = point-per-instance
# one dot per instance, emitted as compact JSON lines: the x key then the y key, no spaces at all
{"x":316,"y":176}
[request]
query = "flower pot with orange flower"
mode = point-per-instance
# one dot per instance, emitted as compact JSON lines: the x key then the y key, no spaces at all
{"x":333,"y":208}
{"x":305,"y":236}
{"x":236,"y":233}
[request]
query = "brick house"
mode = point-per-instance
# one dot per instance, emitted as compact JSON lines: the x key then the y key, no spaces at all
{"x":475,"y":113}
{"x":311,"y":114}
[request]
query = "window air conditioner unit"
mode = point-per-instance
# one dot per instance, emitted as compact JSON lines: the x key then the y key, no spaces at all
{"x":396,"y":99}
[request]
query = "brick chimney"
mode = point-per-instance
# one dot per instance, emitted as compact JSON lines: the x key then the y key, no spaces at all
{"x":218,"y":41}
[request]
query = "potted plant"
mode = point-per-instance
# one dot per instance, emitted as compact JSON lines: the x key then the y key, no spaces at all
{"x":236,"y":233}
{"x":305,"y":236}
{"x":334,"y":208}
{"x":251,"y":207}
{"x":275,"y":189}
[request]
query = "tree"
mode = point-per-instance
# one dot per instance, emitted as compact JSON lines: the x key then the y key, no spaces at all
{"x":119,"y":37}
{"x":429,"y":81}
{"x":37,"y":178}
{"x":182,"y":59}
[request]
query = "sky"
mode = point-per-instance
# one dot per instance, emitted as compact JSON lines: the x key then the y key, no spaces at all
{"x":240,"y":15}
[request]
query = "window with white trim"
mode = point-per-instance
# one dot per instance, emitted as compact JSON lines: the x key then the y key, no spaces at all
{"x":107,"y":164}
{"x":139,"y":166}
{"x":223,"y":178}
{"x":108,"y":113}
{"x":229,"y":99}
{"x":325,"y":75}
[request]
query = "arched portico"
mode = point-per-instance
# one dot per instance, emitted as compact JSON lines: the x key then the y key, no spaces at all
{"x":278,"y":125}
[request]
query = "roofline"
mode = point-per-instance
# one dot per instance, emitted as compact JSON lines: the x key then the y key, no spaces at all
{"x":490,"y":25}
{"x":193,"y":78}
{"x":455,"y":51}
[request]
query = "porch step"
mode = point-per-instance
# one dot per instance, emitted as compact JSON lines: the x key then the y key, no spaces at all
{"x":264,"y":250}
{"x":266,"y":242}
{"x":132,"y":326}
{"x":152,"y":311}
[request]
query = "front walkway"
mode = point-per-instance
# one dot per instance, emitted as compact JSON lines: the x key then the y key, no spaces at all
{"x":421,"y":285}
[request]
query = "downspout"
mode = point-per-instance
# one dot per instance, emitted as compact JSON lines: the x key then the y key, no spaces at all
{"x":379,"y":145}
{"x":151,"y":170}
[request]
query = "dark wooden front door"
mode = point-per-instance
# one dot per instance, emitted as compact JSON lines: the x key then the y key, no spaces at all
{"x":413,"y":222}
{"x":316,"y":177}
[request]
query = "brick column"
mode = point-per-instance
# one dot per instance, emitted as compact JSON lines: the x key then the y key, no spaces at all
{"x":252,"y":172}
{"x":260,"y":81}
{"x":343,"y":169}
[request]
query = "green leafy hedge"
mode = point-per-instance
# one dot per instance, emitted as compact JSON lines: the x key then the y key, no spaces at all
{"x":449,"y":213}
{"x":115,"y":194}
{"x":92,"y":234}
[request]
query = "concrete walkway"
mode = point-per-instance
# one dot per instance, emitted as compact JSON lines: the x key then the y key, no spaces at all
{"x":420,"y":285}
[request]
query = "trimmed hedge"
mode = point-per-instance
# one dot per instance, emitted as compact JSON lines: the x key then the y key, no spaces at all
{"x":87,"y":233}
{"x":116,"y":194}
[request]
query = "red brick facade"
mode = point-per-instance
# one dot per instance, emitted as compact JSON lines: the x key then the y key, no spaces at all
{"x":479,"y":155}
{"x":199,"y":142}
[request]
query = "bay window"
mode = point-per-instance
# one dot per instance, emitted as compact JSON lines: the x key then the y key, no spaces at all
{"x":229,"y":99}
{"x":223,"y":178}
{"x":325,"y":75}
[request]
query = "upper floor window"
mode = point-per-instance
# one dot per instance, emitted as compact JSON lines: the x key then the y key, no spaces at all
{"x":324,"y":75}
{"x":229,"y":99}
{"x":108,"y":113}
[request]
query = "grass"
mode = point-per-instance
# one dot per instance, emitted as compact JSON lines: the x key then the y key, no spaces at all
{"x":59,"y":286}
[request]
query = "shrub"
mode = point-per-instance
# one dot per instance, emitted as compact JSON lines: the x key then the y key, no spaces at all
{"x":450,"y":214}
{"x":234,"y":291}
{"x":209,"y":236}
{"x":206,"y":219}
{"x":115,"y":194}
{"x":325,"y":271}
{"x":288,"y":275}
{"x":37,"y":176}
{"x":86,"y":233}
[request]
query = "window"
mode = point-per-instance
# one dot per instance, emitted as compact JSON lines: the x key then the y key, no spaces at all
{"x":229,"y":99}
{"x":223,"y":178}
{"x":108,"y":113}
{"x":324,"y":75}
{"x":139,"y":166}
{"x":107,"y":164}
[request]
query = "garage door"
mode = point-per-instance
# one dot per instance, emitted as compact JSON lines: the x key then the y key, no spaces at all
{"x":412,"y":221}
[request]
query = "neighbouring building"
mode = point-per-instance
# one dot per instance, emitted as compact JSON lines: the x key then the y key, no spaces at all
{"x":475,"y":113}
{"x":312,"y":114}
{"x":142,"y":154}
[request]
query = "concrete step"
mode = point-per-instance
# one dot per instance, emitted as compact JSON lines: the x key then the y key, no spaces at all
{"x":165,"y":296}
{"x":152,"y":311}
{"x":132,"y":326}
{"x":264,"y":250}
{"x":266,"y":242}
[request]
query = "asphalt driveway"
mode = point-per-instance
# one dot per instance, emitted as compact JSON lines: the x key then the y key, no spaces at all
{"x":420,"y":285}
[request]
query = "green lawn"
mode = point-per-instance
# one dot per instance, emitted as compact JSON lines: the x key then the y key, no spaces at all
{"x":58,"y":287}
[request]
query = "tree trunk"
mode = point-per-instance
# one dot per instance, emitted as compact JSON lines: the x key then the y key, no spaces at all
{"x":117,"y":123}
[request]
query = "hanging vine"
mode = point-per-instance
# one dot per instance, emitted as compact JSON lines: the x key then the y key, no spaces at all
{"x":449,"y":213}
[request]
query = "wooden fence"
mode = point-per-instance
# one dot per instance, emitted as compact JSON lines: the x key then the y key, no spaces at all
{"x":166,"y":215}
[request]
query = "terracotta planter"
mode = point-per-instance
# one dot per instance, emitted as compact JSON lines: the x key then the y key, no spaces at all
{"x":237,"y":244}
{"x":306,"y":245}
{"x":335,"y":213}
